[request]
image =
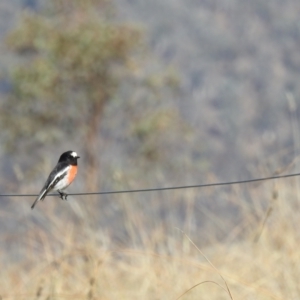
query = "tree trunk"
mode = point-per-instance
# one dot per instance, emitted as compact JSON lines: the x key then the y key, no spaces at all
{"x":91,"y":148}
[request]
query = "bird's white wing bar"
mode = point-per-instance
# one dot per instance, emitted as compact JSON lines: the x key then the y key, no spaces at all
{"x":57,"y":178}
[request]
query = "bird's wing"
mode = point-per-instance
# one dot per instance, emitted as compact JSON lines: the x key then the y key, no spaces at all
{"x":58,"y":173}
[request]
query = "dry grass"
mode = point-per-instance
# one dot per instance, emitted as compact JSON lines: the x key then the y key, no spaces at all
{"x":59,"y":257}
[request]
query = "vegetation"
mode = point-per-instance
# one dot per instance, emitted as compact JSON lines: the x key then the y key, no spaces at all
{"x":57,"y":258}
{"x":74,"y":63}
{"x":233,"y":114}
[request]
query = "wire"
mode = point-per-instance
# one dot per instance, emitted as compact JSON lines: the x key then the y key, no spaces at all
{"x":164,"y":188}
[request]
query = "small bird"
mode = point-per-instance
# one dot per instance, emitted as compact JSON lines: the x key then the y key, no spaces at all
{"x":61,"y":177}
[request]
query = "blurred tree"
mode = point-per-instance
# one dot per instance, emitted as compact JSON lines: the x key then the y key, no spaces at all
{"x":73,"y":59}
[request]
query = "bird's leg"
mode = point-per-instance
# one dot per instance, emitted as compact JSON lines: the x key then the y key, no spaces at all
{"x":62,"y":195}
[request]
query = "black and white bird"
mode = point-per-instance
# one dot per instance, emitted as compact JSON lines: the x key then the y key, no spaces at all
{"x":61,"y":177}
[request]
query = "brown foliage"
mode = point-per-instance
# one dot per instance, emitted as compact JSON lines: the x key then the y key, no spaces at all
{"x":74,"y":63}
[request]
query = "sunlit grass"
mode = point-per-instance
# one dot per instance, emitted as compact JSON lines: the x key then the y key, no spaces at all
{"x":71,"y":258}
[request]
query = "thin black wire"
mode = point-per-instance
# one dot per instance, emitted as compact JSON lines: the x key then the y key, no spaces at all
{"x":164,"y":188}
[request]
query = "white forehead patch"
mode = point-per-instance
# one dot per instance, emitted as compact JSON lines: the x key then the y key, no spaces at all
{"x":74,"y":154}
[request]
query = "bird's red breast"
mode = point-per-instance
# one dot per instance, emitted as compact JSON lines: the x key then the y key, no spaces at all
{"x":72,"y":173}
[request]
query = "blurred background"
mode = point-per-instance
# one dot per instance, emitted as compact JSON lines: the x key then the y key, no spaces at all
{"x":150,"y":94}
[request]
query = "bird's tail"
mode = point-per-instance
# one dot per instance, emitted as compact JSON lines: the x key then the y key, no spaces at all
{"x":41,"y":196}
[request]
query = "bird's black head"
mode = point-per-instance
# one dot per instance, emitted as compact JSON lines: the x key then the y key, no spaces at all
{"x":70,"y":157}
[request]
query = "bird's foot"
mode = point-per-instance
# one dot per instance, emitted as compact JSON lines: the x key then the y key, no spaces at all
{"x":62,"y":195}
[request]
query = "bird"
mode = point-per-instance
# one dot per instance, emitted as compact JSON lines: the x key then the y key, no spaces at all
{"x":61,"y":177}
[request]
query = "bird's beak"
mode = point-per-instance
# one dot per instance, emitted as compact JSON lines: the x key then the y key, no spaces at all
{"x":77,"y":156}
